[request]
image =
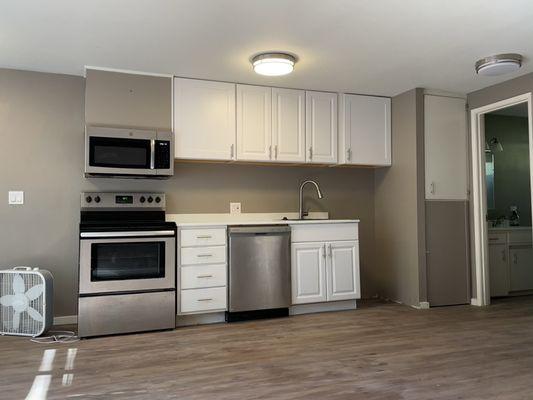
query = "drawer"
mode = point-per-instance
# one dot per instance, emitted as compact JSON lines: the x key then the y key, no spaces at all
{"x":203,"y":276}
{"x":203,"y":237}
{"x":201,"y":300}
{"x":497,"y":238}
{"x":520,"y":237}
{"x":203,"y":255}
{"x":324,"y":232}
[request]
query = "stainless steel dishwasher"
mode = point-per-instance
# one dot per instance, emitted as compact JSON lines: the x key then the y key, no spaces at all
{"x":259,"y":272}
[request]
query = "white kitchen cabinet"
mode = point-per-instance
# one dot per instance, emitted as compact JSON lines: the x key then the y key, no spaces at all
{"x":521,"y":268}
{"x":342,"y":271}
{"x":204,"y":120}
{"x":254,"y":123}
{"x":499,"y":270}
{"x":308,"y":269}
{"x":364,"y":130}
{"x":325,"y":270}
{"x":446,"y":145}
{"x":288,"y":125}
{"x":321,"y":127}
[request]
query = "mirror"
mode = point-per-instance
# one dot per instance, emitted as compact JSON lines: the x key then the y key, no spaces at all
{"x":489,"y":179}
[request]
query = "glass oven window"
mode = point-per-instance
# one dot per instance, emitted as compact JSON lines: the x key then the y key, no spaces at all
{"x":127,"y":260}
{"x":119,"y":153}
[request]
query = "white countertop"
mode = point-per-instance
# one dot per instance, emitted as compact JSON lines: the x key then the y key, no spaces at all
{"x":252,"y":219}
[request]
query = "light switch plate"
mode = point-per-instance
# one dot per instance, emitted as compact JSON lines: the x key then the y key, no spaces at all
{"x":16,"y":197}
{"x":235,"y":208}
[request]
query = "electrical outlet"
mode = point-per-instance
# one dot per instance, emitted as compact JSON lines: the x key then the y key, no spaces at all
{"x":235,"y":208}
{"x":16,"y":197}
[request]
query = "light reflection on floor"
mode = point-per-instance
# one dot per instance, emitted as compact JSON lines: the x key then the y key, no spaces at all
{"x":41,"y":383}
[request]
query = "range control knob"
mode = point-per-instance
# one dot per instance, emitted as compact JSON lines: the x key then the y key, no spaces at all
{"x":97,"y":199}
{"x":142,"y":199}
{"x":158,"y":199}
{"x":88,"y":199}
{"x":150,"y":199}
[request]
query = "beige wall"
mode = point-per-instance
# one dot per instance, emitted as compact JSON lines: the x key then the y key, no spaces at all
{"x":41,"y":127}
{"x":399,"y":206}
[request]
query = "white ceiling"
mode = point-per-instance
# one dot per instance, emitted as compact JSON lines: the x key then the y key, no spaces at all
{"x":381,"y":47}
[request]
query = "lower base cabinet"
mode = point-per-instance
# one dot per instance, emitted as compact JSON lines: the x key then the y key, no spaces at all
{"x":521,"y":268}
{"x":325,"y":270}
{"x":499,"y":270}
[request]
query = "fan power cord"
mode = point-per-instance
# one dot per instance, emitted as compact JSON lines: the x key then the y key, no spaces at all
{"x":56,"y":337}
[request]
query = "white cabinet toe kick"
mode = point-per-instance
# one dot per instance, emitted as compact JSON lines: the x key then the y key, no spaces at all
{"x":324,"y":270}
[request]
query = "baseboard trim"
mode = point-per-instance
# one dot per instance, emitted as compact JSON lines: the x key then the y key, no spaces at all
{"x":200,"y":319}
{"x":342,"y":305}
{"x":475,"y":302}
{"x":424,"y":305}
{"x":66,"y":320}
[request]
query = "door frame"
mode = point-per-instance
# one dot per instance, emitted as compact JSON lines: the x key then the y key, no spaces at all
{"x":479,"y":200}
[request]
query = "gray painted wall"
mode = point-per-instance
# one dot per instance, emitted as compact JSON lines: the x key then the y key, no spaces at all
{"x":511,"y":166}
{"x":42,"y":125}
{"x":399,"y":206}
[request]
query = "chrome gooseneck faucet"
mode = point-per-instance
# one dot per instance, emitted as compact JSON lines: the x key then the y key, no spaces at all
{"x":319,"y":193}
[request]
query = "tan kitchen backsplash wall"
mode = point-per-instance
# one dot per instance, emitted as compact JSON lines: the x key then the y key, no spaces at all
{"x":41,"y":153}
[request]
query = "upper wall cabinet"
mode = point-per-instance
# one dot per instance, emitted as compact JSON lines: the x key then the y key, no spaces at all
{"x":254,"y":119}
{"x":364,"y":130}
{"x":445,"y":142}
{"x":128,"y":100}
{"x":288,"y":125}
{"x":321,"y":127}
{"x":204,"y":119}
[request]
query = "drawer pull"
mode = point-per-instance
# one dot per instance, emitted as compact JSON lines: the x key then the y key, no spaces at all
{"x":204,"y":299}
{"x":204,"y":255}
{"x":204,"y":276}
{"x":204,"y":237}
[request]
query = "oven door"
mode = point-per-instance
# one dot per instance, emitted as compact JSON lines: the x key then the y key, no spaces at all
{"x":127,"y":261}
{"x":119,"y":151}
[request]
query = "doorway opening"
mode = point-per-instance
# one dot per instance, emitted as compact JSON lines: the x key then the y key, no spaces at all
{"x":502,"y":147}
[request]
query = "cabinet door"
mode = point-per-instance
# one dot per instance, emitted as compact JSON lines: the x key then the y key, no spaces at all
{"x":499,"y":270}
{"x":254,"y":121}
{"x":342,"y":271}
{"x":308,"y":268}
{"x":288,"y":125}
{"x":365,"y":131}
{"x":445,"y":142}
{"x":204,"y":119}
{"x":321,"y":127}
{"x":521,"y":261}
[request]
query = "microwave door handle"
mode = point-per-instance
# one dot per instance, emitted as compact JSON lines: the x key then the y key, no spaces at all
{"x":152,"y":154}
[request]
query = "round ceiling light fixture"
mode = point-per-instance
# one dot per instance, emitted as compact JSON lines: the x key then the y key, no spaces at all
{"x":499,"y":64}
{"x":273,"y":64}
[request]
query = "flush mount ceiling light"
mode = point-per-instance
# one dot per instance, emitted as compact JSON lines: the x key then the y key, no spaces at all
{"x":499,"y":64}
{"x":273,"y":64}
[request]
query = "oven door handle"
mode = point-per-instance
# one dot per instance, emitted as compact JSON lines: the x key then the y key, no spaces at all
{"x":126,"y":234}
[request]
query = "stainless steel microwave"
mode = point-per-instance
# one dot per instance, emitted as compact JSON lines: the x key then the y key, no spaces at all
{"x":123,"y":152}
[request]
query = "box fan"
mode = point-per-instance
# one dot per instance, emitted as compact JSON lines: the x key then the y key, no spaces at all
{"x":26,"y":296}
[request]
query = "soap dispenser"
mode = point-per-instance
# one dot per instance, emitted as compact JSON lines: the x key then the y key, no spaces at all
{"x":514,"y":219}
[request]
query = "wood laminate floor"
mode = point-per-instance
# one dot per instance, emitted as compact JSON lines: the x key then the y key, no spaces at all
{"x":380,"y":351}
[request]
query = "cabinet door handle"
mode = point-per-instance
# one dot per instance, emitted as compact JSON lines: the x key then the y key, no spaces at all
{"x":204,"y":276}
{"x":504,"y":257}
{"x":232,"y":149}
{"x":330,"y":251}
{"x":276,"y":152}
{"x":204,"y":255}
{"x":204,"y":299}
{"x":310,"y":152}
{"x":515,"y":258}
{"x":432,"y":189}
{"x":349,"y":154}
{"x":270,"y":152}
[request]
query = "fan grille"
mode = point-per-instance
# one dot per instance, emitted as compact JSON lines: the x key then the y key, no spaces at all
{"x":27,"y":325}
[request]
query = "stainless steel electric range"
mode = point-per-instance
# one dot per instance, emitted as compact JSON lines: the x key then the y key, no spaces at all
{"x":127,"y":264}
